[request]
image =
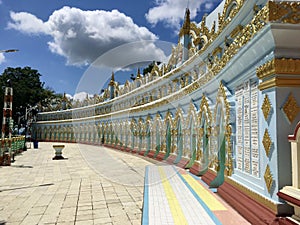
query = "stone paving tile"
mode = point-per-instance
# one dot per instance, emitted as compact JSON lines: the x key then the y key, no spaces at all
{"x":106,"y":221}
{"x":39,"y":190}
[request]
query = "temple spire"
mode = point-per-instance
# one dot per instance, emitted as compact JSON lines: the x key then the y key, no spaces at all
{"x":112,"y":80}
{"x":138,"y":76}
{"x":187,"y":21}
{"x":112,"y":85}
{"x":185,"y":29}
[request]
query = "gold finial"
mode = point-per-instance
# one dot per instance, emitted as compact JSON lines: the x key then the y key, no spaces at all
{"x":112,"y":80}
{"x":186,"y":24}
{"x":64,"y":97}
{"x":138,"y":76}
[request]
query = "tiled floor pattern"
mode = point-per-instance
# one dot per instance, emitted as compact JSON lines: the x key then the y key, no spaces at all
{"x":173,"y":196}
{"x":96,"y":185}
{"x":74,"y":191}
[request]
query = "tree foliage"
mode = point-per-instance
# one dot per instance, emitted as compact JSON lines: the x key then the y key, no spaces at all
{"x":28,"y":90}
{"x":149,"y":68}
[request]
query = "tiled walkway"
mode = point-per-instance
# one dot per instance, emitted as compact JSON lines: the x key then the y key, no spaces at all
{"x":173,"y":196}
{"x":39,"y":190}
{"x":97,"y":185}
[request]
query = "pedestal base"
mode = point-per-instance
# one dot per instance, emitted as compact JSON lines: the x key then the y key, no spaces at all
{"x":57,"y":157}
{"x":160,"y":156}
{"x":183,"y":162}
{"x":198,"y":169}
{"x":171,"y":158}
{"x":58,"y":152}
{"x":151,"y":154}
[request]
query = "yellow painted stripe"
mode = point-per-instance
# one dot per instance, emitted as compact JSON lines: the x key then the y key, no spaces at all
{"x":176,"y":210}
{"x":211,"y":201}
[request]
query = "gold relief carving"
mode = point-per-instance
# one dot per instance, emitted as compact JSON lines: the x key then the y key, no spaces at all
{"x":204,"y":108}
{"x":291,"y":108}
{"x":222,"y":97}
{"x":267,"y":142}
{"x":284,"y":12}
{"x":191,"y":114}
{"x":279,"y":82}
{"x":148,"y":119}
{"x":174,"y":149}
{"x":266,"y":69}
{"x":178,"y":117}
{"x":268,"y":178}
{"x":217,"y":50}
{"x":287,"y":66}
{"x":236,"y":31}
{"x":266,"y":107}
{"x":279,"y":66}
{"x":168,"y":118}
{"x":231,"y":8}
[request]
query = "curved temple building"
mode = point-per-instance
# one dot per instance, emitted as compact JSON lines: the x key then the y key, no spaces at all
{"x":222,"y":107}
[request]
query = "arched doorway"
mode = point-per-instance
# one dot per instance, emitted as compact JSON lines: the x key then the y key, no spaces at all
{"x":222,"y":152}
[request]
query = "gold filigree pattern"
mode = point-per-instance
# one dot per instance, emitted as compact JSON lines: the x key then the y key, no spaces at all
{"x":274,"y":73}
{"x":222,"y":100}
{"x":267,"y":142}
{"x":286,"y":12}
{"x":236,"y":31}
{"x":178,"y":117}
{"x":266,"y":107}
{"x":191,"y":115}
{"x":291,"y":108}
{"x":278,"y":66}
{"x":266,"y":69}
{"x":204,"y":116}
{"x":204,"y":108}
{"x":185,"y":30}
{"x":268,"y":178}
{"x":168,"y":118}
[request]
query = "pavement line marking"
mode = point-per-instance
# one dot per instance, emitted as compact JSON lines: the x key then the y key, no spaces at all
{"x":211,"y":201}
{"x":145,"y":212}
{"x":176,"y":210}
{"x":196,"y":214}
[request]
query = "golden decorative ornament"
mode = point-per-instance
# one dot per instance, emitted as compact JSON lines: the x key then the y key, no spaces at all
{"x":268,"y":178}
{"x":191,"y":114}
{"x":278,"y":66}
{"x":291,"y":108}
{"x":222,"y":100}
{"x":267,"y":142}
{"x":266,"y":107}
{"x":284,"y":12}
{"x":236,"y":31}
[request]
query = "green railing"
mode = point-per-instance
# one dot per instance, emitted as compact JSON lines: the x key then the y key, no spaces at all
{"x":17,"y":145}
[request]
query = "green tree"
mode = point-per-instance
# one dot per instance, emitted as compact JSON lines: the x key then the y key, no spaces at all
{"x":28,"y":90}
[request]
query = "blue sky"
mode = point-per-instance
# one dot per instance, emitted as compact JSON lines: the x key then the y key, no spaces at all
{"x":61,"y":38}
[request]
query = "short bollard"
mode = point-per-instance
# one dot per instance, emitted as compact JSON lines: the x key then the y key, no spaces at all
{"x":58,"y":152}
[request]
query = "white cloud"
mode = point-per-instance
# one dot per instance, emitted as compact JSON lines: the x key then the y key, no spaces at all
{"x":69,"y":96}
{"x":171,"y":12}
{"x":209,"y":5}
{"x":27,"y":23}
{"x":2,"y":58}
{"x":82,"y":36}
{"x":79,"y":96}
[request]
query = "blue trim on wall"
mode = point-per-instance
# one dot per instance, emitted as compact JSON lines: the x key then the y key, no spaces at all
{"x":205,"y":207}
{"x":145,"y":212}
